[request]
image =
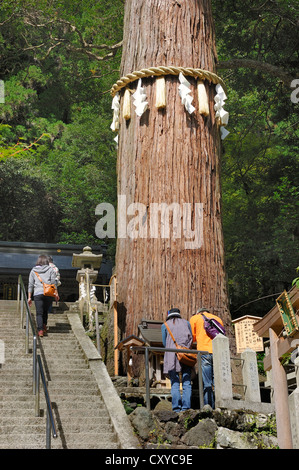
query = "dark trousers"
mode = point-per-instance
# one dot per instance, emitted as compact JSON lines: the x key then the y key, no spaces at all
{"x":208,"y":379}
{"x":42,"y":305}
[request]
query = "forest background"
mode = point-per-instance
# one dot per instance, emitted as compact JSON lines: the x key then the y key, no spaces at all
{"x":58,"y":61}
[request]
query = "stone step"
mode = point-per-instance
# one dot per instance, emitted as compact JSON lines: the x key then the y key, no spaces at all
{"x":62,"y":395}
{"x":19,"y":350}
{"x":15,"y":389}
{"x":67,"y":363}
{"x":85,"y":425}
{"x":60,"y":321}
{"x":52,"y":318}
{"x":79,"y":376}
{"x":9,"y":312}
{"x":14,"y":400}
{"x":77,"y":400}
{"x":12,"y":331}
{"x":58,"y":367}
{"x":98,"y":437}
{"x":18,"y":398}
{"x":66,"y":420}
{"x":17,"y":402}
{"x":18,"y":420}
{"x":57,"y":326}
{"x":21,"y":441}
{"x":13,"y":335}
{"x":10,"y":380}
{"x":8,"y":308}
{"x":38,"y":426}
{"x":10,"y":373}
{"x":63,"y":337}
{"x":50,"y":346}
{"x":68,"y":387}
{"x":25,"y":411}
{"x":66,"y":354}
{"x":28,"y":429}
{"x":77,"y":389}
{"x":58,"y":348}
{"x":58,"y":393}
{"x":6,"y":322}
{"x":87,"y":446}
{"x":97,"y":413}
{"x":75,"y":374}
{"x":20,"y":361}
{"x":36,"y":435}
{"x":39,"y":442}
{"x":64,"y":412}
{"x":61,"y":366}
{"x":80,"y":414}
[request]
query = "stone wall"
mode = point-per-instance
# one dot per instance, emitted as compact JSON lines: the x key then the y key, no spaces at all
{"x":198,"y":429}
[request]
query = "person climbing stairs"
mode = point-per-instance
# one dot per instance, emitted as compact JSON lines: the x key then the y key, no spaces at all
{"x":84,"y":419}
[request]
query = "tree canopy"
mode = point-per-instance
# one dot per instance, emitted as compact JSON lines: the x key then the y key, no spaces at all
{"x":59,"y":59}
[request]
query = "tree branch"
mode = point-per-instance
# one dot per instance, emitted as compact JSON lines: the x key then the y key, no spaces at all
{"x":7,"y":20}
{"x":265,"y":67}
{"x":33,"y":20}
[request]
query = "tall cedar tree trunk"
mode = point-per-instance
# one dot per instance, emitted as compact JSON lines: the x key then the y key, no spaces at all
{"x":168,"y":156}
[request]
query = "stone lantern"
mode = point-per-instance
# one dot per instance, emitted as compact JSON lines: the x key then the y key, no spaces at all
{"x":86,"y":262}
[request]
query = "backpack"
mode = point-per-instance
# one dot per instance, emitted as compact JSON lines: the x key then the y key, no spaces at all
{"x":212,"y":327}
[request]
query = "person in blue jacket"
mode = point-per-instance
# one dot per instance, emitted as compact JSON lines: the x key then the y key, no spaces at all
{"x":181,"y":330}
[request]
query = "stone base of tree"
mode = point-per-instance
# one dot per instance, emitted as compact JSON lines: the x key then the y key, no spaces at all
{"x":199,"y":429}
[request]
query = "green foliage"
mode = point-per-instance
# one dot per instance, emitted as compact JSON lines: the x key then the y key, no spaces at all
{"x":56,"y":110}
{"x":260,"y":156}
{"x":296,"y":280}
{"x":27,"y":206}
{"x":260,"y":363}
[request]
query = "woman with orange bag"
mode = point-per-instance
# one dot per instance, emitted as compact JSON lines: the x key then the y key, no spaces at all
{"x":40,"y":274}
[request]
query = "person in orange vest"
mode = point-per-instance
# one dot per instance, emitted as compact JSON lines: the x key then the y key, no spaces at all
{"x":204,"y":343}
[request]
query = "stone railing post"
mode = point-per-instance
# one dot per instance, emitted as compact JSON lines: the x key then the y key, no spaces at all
{"x":294,"y":409}
{"x":250,"y":376}
{"x":296,"y":362}
{"x":222,"y":370}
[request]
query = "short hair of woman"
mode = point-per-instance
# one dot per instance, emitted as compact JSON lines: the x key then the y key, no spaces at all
{"x":42,"y":260}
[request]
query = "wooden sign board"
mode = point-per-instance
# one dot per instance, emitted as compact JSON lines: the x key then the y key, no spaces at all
{"x":287,"y":314}
{"x":245,"y":336}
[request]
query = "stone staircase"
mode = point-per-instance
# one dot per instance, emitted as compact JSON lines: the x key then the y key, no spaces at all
{"x":80,"y":413}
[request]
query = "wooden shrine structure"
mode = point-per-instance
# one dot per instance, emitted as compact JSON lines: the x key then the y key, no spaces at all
{"x":149,"y":334}
{"x":150,"y":331}
{"x":281,"y":326}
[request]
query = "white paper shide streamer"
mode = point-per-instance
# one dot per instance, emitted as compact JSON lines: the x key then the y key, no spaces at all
{"x":115,"y":106}
{"x":184,"y":92}
{"x":223,"y":132}
{"x":221,"y":114}
{"x":140,"y":102}
{"x":82,"y":291}
{"x":92,"y":293}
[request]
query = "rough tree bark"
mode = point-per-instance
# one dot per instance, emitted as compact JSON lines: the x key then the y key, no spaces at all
{"x":169,"y":156}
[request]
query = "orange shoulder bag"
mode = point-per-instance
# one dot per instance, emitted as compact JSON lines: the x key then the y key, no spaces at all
{"x":49,"y":289}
